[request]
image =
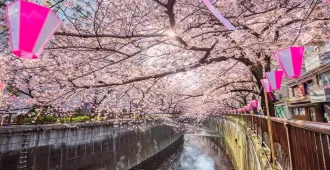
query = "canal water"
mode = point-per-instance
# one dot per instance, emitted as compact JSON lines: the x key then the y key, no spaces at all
{"x":198,"y":153}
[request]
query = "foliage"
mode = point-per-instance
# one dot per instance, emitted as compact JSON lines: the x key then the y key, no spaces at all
{"x":42,"y":119}
{"x":75,"y":119}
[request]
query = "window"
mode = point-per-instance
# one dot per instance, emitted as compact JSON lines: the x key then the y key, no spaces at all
{"x":308,"y":86}
{"x":294,"y":92}
{"x":326,"y":113}
{"x":301,"y":111}
{"x":291,"y":111}
{"x":324,"y":79}
{"x":313,"y":116}
{"x":299,"y":90}
{"x":297,"y":111}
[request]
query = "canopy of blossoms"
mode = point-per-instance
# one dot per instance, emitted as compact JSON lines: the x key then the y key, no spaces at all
{"x":158,"y":56}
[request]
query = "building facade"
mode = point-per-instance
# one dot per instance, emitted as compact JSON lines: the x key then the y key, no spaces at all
{"x":309,"y":96}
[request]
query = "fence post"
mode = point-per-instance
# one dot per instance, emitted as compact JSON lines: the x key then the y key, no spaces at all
{"x":270,"y":132}
{"x":3,"y":116}
{"x":289,"y":143}
{"x":9,"y":119}
{"x":252,"y":123}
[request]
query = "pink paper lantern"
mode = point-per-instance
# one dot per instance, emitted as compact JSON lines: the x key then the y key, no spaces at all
{"x":266,"y":85}
{"x":12,"y":98}
{"x":247,"y":108}
{"x":255,"y":103}
{"x":290,"y":60}
{"x":275,"y":79}
{"x":31,"y":26}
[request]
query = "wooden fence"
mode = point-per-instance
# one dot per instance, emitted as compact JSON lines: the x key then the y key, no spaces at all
{"x":306,"y":143}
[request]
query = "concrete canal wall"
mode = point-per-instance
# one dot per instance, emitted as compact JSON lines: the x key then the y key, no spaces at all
{"x":240,"y":144}
{"x":81,"y":146}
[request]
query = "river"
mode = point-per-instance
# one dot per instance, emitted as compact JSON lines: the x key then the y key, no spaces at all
{"x":198,"y":153}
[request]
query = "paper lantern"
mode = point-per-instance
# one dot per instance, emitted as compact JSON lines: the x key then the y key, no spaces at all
{"x":275,"y":79}
{"x":248,"y":107}
{"x":290,"y":60}
{"x":31,"y":26}
{"x":266,"y":85}
{"x":11,"y":98}
{"x":255,"y":103}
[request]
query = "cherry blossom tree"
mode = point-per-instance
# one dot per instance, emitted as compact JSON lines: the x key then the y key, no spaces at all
{"x":162,"y":56}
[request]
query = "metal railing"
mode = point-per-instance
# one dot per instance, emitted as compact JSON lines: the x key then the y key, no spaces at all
{"x":306,"y":143}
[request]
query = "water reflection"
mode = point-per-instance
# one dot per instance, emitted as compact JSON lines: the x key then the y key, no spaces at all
{"x":199,"y":153}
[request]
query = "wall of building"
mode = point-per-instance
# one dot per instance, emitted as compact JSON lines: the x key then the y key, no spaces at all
{"x":82,"y":146}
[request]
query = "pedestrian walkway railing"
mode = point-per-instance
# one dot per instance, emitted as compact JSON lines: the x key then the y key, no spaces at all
{"x":305,"y":143}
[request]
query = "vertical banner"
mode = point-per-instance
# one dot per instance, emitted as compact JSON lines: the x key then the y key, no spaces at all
{"x":217,"y":14}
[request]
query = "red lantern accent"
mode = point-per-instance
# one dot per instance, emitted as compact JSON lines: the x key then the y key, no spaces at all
{"x":255,"y":103}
